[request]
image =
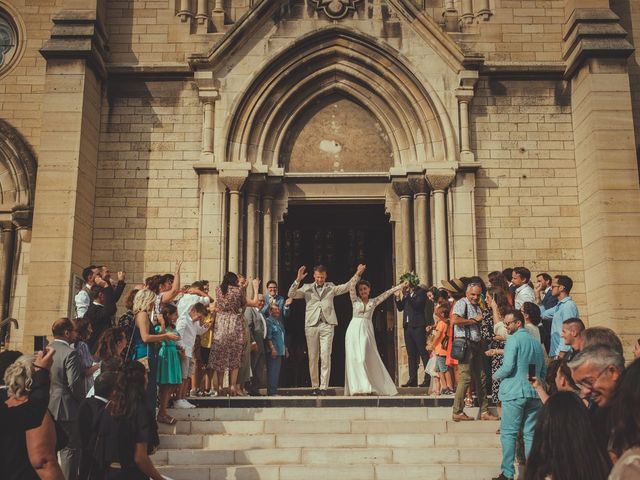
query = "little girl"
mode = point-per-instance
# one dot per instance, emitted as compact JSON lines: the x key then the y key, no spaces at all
{"x":446,"y":384}
{"x":169,"y":374}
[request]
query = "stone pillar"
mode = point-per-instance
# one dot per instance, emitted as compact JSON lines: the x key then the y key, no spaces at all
{"x":253,"y":229}
{"x":217,"y":16}
{"x":267,"y":239}
{"x":185,"y":10}
{"x":484,"y":10}
{"x":465,"y":92}
{"x":208,"y":93}
{"x":467,"y":11}
{"x":462,"y":227}
{"x":62,"y":232}
{"x":402,"y":189}
{"x":420,"y":190}
{"x":595,"y":50}
{"x":6,"y":267}
{"x":202,"y":18}
{"x":213,"y":235}
{"x":451,"y":18}
{"x":234,"y":184}
{"x":439,"y":183}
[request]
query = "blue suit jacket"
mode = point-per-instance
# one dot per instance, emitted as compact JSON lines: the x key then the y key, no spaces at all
{"x":520,"y":350}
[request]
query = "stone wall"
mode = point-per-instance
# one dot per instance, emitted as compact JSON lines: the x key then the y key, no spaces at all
{"x":527,"y":197}
{"x":147,"y":201}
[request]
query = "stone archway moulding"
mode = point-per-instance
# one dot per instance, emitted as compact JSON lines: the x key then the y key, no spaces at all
{"x":357,"y":66}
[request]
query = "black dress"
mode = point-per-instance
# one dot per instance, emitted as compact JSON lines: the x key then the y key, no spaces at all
{"x":15,"y":421}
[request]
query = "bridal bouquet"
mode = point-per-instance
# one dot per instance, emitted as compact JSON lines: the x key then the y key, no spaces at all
{"x":410,"y":277}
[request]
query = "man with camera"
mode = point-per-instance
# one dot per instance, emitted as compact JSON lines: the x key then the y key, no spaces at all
{"x":468,"y":350}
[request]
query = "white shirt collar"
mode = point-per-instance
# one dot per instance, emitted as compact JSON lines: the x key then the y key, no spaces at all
{"x":546,"y":290}
{"x":522,"y":287}
{"x":62,"y":341}
{"x":101,"y":398}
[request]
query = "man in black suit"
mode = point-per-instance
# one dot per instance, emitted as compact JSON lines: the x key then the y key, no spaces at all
{"x":101,"y":311}
{"x":89,"y":421}
{"x":411,"y":302}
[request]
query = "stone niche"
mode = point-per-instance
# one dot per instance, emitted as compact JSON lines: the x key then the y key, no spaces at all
{"x":337,"y":135}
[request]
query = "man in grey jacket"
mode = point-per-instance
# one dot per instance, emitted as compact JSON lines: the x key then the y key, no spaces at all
{"x":320,"y":322}
{"x":257,"y":324}
{"x":67,"y":391}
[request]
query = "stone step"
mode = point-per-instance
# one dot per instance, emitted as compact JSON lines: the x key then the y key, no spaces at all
{"x":327,"y":440}
{"x":330,"y":456}
{"x":322,"y":472}
{"x":317,"y":413}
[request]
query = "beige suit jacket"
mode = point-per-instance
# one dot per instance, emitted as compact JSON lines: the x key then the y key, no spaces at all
{"x":319,"y":302}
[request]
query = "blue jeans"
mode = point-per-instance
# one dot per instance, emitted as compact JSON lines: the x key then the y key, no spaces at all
{"x":516,"y":414}
{"x":273,"y":374}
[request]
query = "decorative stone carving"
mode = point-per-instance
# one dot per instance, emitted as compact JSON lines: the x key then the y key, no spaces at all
{"x":440,"y":182}
{"x":402,"y":188}
{"x":335,"y":9}
{"x":234,"y":184}
{"x":418,"y":185}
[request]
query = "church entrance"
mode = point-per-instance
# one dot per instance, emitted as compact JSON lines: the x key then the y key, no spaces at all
{"x":339,"y":237}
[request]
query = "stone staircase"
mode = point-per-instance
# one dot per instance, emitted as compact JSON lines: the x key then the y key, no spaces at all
{"x":350,"y":443}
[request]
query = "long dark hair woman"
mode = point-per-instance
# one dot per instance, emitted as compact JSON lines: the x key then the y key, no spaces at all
{"x":625,"y":440}
{"x":136,"y":431}
{"x":564,"y":445}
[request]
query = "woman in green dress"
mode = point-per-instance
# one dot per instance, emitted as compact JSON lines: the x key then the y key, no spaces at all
{"x":169,"y":374}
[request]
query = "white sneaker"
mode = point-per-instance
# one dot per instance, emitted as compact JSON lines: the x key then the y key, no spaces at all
{"x":182,"y":403}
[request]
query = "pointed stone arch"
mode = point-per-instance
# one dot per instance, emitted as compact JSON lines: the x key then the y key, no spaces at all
{"x":17,"y":170}
{"x":340,"y":60}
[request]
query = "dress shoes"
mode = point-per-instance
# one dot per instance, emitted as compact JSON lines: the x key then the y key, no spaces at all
{"x":461,"y":417}
{"x":488,"y":416}
{"x":322,"y":392}
{"x":315,"y":392}
{"x":425,"y":384}
{"x":410,"y":383}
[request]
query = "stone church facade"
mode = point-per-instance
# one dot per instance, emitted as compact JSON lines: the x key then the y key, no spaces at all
{"x":487,"y":133}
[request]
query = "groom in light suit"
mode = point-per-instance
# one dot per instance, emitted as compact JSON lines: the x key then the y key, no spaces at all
{"x":320,"y":322}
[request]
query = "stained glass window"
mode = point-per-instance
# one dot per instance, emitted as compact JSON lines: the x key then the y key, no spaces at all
{"x":7,"y":41}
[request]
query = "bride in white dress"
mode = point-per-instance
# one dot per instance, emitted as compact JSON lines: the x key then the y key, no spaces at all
{"x":364,"y":371}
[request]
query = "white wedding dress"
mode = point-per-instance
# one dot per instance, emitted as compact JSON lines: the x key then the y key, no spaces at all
{"x":364,"y":371}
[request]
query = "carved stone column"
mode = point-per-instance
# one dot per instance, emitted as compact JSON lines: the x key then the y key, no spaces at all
{"x":234,"y":184}
{"x":217,"y":16}
{"x":465,"y":92}
{"x":185,"y":11}
{"x":420,"y":189}
{"x":6,"y":267}
{"x":467,"y":11}
{"x":253,"y":189}
{"x":208,"y":93}
{"x":402,"y":189}
{"x":201,"y":16}
{"x":439,"y":183}
{"x":451,"y":18}
{"x":270,"y":191}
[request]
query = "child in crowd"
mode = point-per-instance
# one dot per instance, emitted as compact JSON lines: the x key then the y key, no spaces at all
{"x":169,"y":376}
{"x":442,"y":325}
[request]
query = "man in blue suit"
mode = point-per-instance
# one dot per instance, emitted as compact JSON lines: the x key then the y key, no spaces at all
{"x":520,"y":402}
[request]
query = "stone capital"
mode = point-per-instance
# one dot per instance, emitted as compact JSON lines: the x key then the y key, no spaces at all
{"x":208,"y":86}
{"x":255,"y":185}
{"x":234,"y":184}
{"x":418,"y":184}
{"x":22,"y":217}
{"x":440,"y":181}
{"x":402,"y":188}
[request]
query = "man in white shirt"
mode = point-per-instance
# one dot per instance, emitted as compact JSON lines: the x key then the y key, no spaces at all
{"x":82,"y":299}
{"x":191,"y":313}
{"x":524,"y":293}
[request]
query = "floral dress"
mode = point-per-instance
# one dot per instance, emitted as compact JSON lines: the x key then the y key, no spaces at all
{"x":228,"y":330}
{"x":496,"y":361}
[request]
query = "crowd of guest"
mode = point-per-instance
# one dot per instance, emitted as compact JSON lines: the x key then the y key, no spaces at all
{"x":568,"y":408}
{"x":87,"y":406}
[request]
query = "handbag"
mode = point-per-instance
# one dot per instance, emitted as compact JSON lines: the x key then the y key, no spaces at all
{"x":459,"y":345}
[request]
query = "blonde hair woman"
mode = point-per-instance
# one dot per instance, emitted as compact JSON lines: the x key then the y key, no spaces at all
{"x":143,"y":342}
{"x":39,"y":443}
